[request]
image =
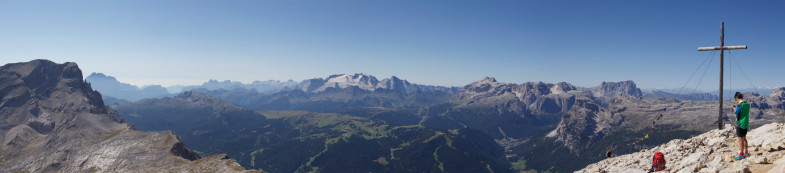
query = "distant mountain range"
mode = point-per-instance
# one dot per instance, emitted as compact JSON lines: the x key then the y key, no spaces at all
{"x":368,"y":82}
{"x":118,"y":92}
{"x":269,"y":86}
{"x":110,"y":86}
{"x":728,"y":92}
{"x":537,"y":124}
{"x":691,"y":96}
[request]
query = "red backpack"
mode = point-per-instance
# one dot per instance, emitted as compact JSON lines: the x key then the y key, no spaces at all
{"x":658,"y":164}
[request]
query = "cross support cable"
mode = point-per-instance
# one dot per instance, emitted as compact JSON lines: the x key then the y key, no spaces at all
{"x":722,"y":49}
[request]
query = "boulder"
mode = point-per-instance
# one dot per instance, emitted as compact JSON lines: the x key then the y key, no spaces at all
{"x":761,"y":160}
{"x":739,"y":169}
{"x":694,"y":158}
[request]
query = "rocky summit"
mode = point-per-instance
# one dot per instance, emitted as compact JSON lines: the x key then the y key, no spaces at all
{"x":712,"y":151}
{"x":53,"y":121}
{"x":623,"y":88}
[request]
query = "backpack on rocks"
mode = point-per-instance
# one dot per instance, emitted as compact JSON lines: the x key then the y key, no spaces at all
{"x":658,"y":163}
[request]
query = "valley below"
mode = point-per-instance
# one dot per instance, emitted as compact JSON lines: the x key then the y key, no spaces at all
{"x":361,"y":124}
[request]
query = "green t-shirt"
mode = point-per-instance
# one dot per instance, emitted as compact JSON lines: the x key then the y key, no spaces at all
{"x":743,"y":111}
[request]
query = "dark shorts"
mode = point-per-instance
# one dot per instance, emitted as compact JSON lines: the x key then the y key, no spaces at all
{"x":741,"y":132}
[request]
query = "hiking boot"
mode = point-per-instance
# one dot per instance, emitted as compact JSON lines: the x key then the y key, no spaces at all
{"x":739,"y":157}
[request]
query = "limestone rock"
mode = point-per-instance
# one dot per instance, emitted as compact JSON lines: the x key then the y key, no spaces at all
{"x":715,"y":156}
{"x":741,"y":169}
{"x":623,"y":88}
{"x":761,"y":160}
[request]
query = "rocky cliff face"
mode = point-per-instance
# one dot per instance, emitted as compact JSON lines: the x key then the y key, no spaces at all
{"x":506,"y":110}
{"x":582,"y":125}
{"x":535,"y":96}
{"x":776,"y":99}
{"x":395,"y":83}
{"x":708,"y":152}
{"x":623,"y":88}
{"x":52,"y":121}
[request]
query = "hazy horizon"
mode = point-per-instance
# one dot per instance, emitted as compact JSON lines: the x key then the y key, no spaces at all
{"x":685,"y":90}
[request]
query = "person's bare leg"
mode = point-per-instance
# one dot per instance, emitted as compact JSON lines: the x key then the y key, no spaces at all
{"x":745,"y":144}
{"x":741,"y":145}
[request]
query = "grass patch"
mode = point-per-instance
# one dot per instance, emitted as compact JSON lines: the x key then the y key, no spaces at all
{"x":253,"y":157}
{"x":382,"y":161}
{"x":115,"y":133}
{"x":436,"y":157}
{"x":201,"y":154}
{"x":519,"y":165}
{"x":449,"y":141}
{"x":435,"y":135}
{"x":325,"y":122}
{"x":282,"y":114}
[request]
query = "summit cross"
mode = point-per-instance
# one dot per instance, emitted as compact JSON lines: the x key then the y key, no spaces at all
{"x":722,"y":49}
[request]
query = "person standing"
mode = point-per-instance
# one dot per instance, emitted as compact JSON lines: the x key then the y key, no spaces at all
{"x":742,"y":114}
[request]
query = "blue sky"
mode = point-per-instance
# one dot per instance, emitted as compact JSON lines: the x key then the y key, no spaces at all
{"x":450,"y":43}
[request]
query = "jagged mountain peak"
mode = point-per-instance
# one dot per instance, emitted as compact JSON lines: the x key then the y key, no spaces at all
{"x":562,"y":87}
{"x":97,"y":75}
{"x":487,"y":79}
{"x":357,"y":78}
{"x":42,"y":78}
{"x":779,"y":92}
{"x":45,"y":69}
{"x":622,"y":88}
{"x":528,"y":97}
{"x":395,"y":83}
{"x":489,"y":84}
{"x":360,"y":80}
{"x":395,"y":78}
{"x":483,"y":85}
{"x":25,"y":68}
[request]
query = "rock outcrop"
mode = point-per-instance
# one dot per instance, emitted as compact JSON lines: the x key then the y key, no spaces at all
{"x":52,"y":121}
{"x":537,"y":97}
{"x":709,"y":152}
{"x":506,"y":110}
{"x":623,"y":88}
{"x":580,"y":126}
